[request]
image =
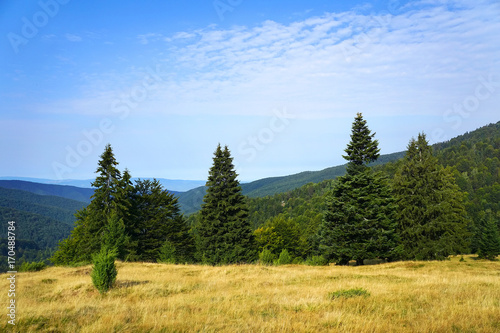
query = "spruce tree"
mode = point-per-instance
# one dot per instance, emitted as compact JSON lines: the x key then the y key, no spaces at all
{"x":133,"y":221}
{"x":358,"y":222}
{"x":431,"y":218}
{"x":224,"y":233}
{"x":90,"y":226}
{"x":488,"y":237}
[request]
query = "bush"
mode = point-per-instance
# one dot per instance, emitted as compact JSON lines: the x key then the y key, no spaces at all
{"x":316,"y":261}
{"x":167,"y":253}
{"x":266,"y":257}
{"x":104,"y":271}
{"x":32,"y":266}
{"x":285,"y":258}
{"x":349,"y":293}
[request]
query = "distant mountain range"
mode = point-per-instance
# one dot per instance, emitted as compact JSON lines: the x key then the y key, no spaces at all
{"x":173,"y":185}
{"x":65,"y":191}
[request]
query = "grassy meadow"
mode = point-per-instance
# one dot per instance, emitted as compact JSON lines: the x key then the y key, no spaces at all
{"x":449,"y":296}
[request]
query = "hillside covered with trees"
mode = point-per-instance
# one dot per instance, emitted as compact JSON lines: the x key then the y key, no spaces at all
{"x":42,"y":221}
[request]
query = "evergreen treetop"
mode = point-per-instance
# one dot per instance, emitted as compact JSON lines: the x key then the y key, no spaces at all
{"x":106,"y":182}
{"x":362,"y":149}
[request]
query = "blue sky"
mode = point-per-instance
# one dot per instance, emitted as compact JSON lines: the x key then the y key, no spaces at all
{"x":278,"y":82}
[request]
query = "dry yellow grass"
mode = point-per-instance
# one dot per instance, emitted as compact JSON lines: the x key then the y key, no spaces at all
{"x":448,"y":296}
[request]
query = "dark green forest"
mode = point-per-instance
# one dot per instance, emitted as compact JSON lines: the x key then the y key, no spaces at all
{"x":286,"y":213}
{"x":42,"y":221}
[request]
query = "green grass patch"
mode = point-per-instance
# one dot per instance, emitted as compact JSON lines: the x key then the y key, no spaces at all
{"x":348,"y":293}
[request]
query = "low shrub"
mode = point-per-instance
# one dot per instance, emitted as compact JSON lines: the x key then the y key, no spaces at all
{"x":316,"y":261}
{"x":266,"y":257}
{"x":167,"y":253}
{"x":284,"y":259}
{"x":34,"y":266}
{"x":104,"y":271}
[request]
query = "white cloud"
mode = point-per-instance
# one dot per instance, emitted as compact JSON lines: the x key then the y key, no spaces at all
{"x":73,"y":38}
{"x":145,"y":39}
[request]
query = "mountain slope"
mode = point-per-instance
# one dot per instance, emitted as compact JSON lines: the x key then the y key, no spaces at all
{"x":35,"y":203}
{"x":172,"y":185}
{"x":65,"y":191}
{"x":44,"y":219}
{"x":44,"y":231}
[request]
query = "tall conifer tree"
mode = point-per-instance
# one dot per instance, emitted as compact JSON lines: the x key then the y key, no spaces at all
{"x":90,"y":227}
{"x":358,"y":222}
{"x":431,"y":218}
{"x":224,"y":233}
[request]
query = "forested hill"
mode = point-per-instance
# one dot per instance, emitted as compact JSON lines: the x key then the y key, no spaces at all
{"x":41,"y":222}
{"x":53,"y":207}
{"x":475,"y":158}
{"x":65,"y":191}
{"x":43,"y":231}
{"x":44,"y":219}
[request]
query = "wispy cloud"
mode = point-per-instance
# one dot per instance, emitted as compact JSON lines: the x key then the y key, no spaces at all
{"x":73,"y":38}
{"x":416,"y":60}
{"x":145,"y":39}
